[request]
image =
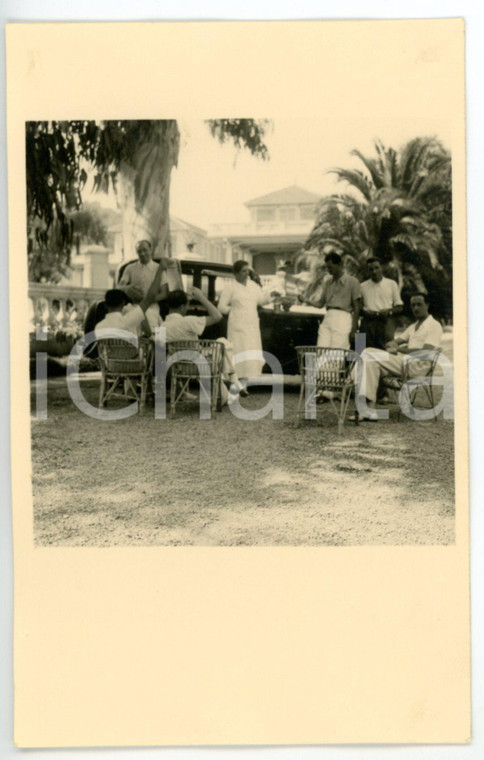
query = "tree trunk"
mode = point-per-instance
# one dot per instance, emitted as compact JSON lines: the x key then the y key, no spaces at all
{"x":144,"y":190}
{"x":133,"y":228}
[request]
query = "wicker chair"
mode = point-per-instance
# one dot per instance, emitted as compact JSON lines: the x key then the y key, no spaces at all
{"x":126,"y":371}
{"x":412,"y":384}
{"x":208,"y":373}
{"x":325,"y":369}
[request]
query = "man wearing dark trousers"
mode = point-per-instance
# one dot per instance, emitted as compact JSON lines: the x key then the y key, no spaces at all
{"x":381,"y":304}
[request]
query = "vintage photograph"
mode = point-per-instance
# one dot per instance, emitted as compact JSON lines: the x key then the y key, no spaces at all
{"x":241,"y":332}
{"x":238,"y":332}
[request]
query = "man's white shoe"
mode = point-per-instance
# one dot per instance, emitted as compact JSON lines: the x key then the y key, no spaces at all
{"x":186,"y":396}
{"x":369,"y":416}
{"x":236,"y":387}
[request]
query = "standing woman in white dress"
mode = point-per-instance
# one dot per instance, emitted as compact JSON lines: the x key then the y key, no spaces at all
{"x":240,"y":300}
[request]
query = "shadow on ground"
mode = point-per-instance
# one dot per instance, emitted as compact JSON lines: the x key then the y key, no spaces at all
{"x":231,"y":482}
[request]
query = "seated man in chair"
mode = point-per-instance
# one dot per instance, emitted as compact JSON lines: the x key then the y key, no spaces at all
{"x":423,"y":334}
{"x":180,"y":326}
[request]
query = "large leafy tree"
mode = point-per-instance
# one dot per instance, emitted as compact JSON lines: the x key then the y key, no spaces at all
{"x":398,"y":207}
{"x":135,"y":158}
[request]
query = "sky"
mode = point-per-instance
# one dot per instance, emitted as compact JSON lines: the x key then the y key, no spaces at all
{"x":213,"y":181}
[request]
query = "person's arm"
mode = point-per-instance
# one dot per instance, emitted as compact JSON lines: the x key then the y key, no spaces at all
{"x":397,"y":345}
{"x":355,"y":317}
{"x":214,"y":315}
{"x":265,"y":297}
{"x":317,"y":303}
{"x":224,"y":301}
{"x":397,"y":303}
{"x":145,"y":327}
{"x":407,"y":350}
{"x":126,"y":276}
{"x":356,"y":303}
{"x":154,"y":289}
{"x":432,"y":338}
{"x":364,"y":311}
{"x":162,"y":292}
{"x":401,"y":344}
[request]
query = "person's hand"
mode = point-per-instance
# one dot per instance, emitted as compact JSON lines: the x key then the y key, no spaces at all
{"x":391,"y":347}
{"x":164,"y":263}
{"x":196,"y":293}
{"x":275,"y":294}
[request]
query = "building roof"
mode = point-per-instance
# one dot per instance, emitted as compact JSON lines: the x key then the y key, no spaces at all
{"x":288,"y":196}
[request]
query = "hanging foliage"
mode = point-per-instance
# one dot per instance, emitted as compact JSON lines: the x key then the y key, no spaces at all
{"x":134,"y":158}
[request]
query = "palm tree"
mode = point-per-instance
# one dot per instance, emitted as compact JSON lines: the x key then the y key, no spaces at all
{"x":398,"y":208}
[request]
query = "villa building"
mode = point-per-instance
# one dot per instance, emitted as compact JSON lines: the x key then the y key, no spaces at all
{"x":279,"y":225}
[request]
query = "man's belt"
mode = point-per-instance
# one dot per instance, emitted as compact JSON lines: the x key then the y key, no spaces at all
{"x":377,"y":317}
{"x":338,"y":308}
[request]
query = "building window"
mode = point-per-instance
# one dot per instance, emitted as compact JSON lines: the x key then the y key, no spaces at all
{"x":287,"y":213}
{"x":266,"y":214}
{"x":307,"y":212}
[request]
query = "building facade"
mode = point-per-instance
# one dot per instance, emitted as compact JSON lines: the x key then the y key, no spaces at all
{"x":279,"y":225}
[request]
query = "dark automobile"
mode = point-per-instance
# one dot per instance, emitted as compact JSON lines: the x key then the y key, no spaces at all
{"x":281,"y":330}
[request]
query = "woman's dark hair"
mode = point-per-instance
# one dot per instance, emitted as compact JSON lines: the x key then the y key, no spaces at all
{"x":238,"y":265}
{"x":176,"y":298}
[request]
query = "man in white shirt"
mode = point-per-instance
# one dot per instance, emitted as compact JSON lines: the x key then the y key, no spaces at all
{"x":180,"y":326}
{"x":381,"y":303}
{"x":141,"y":272}
{"x":423,"y":334}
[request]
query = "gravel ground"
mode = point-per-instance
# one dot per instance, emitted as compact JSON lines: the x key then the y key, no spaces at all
{"x":226,"y":482}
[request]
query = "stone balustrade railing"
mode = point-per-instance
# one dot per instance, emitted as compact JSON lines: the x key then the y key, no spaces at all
{"x":60,"y":307}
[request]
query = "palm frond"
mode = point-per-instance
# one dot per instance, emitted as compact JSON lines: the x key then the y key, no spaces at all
{"x":356,"y":179}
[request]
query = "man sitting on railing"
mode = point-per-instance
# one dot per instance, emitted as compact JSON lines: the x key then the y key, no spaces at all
{"x":423,"y":334}
{"x":142,"y":272}
{"x":115,"y":301}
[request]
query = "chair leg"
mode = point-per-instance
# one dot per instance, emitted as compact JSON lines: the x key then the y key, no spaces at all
{"x":429,"y":391}
{"x":300,"y":404}
{"x":213,"y":395}
{"x":110,"y":389}
{"x":102,"y":390}
{"x":173,"y":395}
{"x":144,"y":387}
{"x":345,"y":400}
{"x":219,"y":394}
{"x":408,"y":396}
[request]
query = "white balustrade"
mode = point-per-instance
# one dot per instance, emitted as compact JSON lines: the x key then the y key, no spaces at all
{"x":60,"y":307}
